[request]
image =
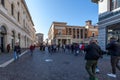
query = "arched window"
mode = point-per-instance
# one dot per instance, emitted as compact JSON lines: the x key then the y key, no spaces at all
{"x":3,"y":30}
{"x":12,"y":9}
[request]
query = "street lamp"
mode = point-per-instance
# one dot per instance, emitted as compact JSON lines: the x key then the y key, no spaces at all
{"x":87,"y":27}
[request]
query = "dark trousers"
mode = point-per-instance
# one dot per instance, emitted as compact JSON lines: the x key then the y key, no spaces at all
{"x":90,"y":67}
{"x":114,"y":63}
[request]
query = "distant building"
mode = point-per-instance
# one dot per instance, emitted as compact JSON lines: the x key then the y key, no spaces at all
{"x":61,"y":33}
{"x":109,"y":21}
{"x":16,"y":24}
{"x":40,"y":37}
{"x":91,"y":31}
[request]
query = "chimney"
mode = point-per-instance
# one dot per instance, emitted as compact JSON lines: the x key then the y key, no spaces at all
{"x":88,"y":23}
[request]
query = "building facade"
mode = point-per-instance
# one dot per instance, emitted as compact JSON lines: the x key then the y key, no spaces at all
{"x":109,"y":21}
{"x":16,"y":24}
{"x":61,"y":33}
{"x":40,"y":38}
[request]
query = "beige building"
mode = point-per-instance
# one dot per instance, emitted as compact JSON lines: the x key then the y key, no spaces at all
{"x":61,"y":33}
{"x":40,"y":37}
{"x":16,"y":24}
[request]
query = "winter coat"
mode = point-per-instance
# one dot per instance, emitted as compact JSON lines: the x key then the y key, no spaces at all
{"x":17,"y":49}
{"x":93,"y":52}
{"x":113,"y":48}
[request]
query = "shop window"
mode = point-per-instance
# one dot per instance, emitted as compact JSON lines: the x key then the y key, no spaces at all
{"x":18,"y":16}
{"x":114,"y":4}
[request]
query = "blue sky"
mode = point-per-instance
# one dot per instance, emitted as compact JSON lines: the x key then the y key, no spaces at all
{"x":74,"y":12}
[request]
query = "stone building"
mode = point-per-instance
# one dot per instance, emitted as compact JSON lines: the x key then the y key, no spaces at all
{"x":109,"y":20}
{"x":40,"y":37}
{"x":16,"y":24}
{"x":61,"y":33}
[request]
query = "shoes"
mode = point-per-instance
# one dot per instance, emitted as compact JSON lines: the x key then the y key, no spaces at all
{"x":97,"y":70}
{"x":93,"y":78}
{"x":112,"y":75}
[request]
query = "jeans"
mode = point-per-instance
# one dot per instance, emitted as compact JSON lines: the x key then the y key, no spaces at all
{"x":114,"y":63}
{"x":90,"y":67}
{"x":16,"y":55}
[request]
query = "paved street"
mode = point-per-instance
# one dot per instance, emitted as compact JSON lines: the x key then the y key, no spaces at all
{"x":58,"y":66}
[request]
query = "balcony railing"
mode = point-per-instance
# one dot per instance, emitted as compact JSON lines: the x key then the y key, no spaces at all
{"x":64,"y":36}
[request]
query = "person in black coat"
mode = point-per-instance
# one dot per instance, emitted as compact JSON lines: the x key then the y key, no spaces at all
{"x":114,"y":50}
{"x":93,"y":53}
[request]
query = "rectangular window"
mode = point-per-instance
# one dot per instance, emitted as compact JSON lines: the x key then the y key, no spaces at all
{"x":114,"y":4}
{"x":12,"y":9}
{"x":93,"y":34}
{"x":81,"y":33}
{"x":59,"y":32}
{"x":3,"y":2}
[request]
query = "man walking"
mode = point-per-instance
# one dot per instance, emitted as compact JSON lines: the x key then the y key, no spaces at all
{"x":93,"y":53}
{"x":114,"y":50}
{"x":17,"y":51}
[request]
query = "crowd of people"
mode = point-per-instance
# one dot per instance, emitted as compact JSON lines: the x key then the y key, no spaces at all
{"x":92,"y":52}
{"x":71,"y":48}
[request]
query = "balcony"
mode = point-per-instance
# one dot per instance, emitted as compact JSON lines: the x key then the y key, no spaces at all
{"x":63,"y":36}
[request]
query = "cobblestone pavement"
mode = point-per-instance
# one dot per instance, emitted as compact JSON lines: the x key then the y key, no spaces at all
{"x":58,"y":66}
{"x":7,"y":56}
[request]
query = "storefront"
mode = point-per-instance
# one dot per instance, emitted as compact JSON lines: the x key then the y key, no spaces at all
{"x":113,"y":30}
{"x":109,"y":21}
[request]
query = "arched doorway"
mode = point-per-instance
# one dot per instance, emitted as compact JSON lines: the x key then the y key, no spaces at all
{"x":3,"y":32}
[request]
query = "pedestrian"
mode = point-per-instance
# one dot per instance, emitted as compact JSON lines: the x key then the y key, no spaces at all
{"x":82,"y":47}
{"x":17,"y":50}
{"x":93,"y":53}
{"x":8,"y":48}
{"x":114,"y":50}
{"x":31,"y":49}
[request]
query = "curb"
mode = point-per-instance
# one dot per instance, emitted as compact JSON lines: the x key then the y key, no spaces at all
{"x":11,"y":60}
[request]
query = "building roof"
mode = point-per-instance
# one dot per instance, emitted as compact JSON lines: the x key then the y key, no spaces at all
{"x":24,"y":3}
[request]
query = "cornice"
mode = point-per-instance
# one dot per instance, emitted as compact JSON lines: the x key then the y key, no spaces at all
{"x":7,"y":17}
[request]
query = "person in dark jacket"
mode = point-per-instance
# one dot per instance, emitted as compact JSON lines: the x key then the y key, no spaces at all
{"x":32,"y":49}
{"x":17,"y":50}
{"x":8,"y":48}
{"x":93,"y":53}
{"x":114,"y":50}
